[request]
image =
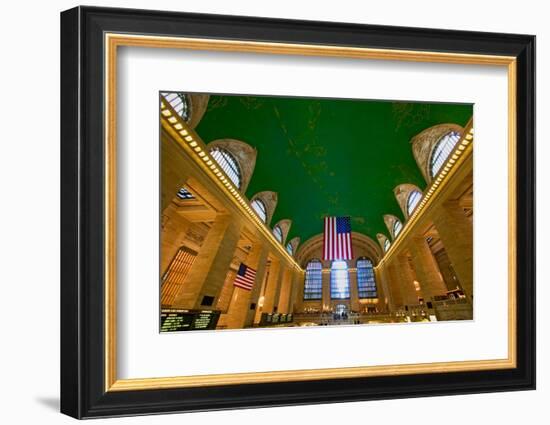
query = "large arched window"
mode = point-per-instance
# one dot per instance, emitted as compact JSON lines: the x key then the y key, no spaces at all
{"x":442,"y":150}
{"x":260,"y":209}
{"x":366,"y":285}
{"x":228,"y":164}
{"x":339,"y":280}
{"x":179,"y":102}
{"x":397,"y":226}
{"x":277,"y":231}
{"x":412,"y":201}
{"x":313,"y":285}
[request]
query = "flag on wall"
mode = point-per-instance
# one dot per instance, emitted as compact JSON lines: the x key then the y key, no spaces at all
{"x":337,"y":240}
{"x":245,"y":277}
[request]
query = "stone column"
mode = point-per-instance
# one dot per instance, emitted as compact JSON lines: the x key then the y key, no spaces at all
{"x":295,"y":281}
{"x":326,"y":301}
{"x":241,"y":300}
{"x":174,"y":170}
{"x":456,"y":233}
{"x":226,"y":294}
{"x":173,"y":230}
{"x":272,"y":289}
{"x":394,"y":286}
{"x":298,"y":291}
{"x":427,"y":272}
{"x":210,"y":268}
{"x":284,"y":296}
{"x":353,"y":291}
{"x":380,"y":274}
{"x":255,"y":316}
{"x":408,"y":290}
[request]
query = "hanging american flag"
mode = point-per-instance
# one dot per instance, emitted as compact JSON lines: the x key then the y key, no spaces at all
{"x":245,"y":277}
{"x":337,"y":240}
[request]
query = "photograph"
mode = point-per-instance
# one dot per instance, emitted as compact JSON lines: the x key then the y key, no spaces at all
{"x":286,"y":212}
{"x":300,"y":191}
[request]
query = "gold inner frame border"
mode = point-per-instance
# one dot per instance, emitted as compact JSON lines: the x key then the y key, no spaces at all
{"x":111,"y":43}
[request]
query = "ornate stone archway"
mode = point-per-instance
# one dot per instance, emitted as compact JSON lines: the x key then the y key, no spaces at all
{"x":243,"y":153}
{"x":423,"y":144}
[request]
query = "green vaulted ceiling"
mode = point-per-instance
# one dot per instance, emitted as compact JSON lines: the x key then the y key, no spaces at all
{"x":328,"y":156}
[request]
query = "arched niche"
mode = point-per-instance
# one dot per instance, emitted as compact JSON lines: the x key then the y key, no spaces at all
{"x":197,"y":107}
{"x":294,"y":243}
{"x":402,"y":193}
{"x":383,"y":241}
{"x":191,"y":107}
{"x":424,"y":143}
{"x":391,"y":222}
{"x":285,"y":228}
{"x":269,"y":199}
{"x":244,"y":154}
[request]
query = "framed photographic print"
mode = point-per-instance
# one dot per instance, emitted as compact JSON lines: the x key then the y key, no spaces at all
{"x":261,"y":212}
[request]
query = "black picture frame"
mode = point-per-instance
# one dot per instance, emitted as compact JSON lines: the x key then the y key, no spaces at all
{"x":83,"y":392}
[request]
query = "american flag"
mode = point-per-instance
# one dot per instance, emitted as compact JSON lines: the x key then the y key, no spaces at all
{"x":337,"y":241}
{"x":245,"y":277}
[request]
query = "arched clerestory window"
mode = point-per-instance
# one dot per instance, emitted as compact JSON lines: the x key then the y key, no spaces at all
{"x":228,"y":164}
{"x":366,"y":283}
{"x":397,"y":227}
{"x":339,"y":280}
{"x":386,"y":245}
{"x":412,"y":201}
{"x":289,"y":248}
{"x":277,"y":231}
{"x":259,"y":208}
{"x":313,"y":284}
{"x":179,"y":102}
{"x":442,"y":149}
{"x":425,"y":147}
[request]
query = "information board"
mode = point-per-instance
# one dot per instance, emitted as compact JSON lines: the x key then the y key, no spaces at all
{"x":176,"y":320}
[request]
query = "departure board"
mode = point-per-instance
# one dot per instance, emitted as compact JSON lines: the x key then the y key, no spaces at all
{"x":176,"y":320}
